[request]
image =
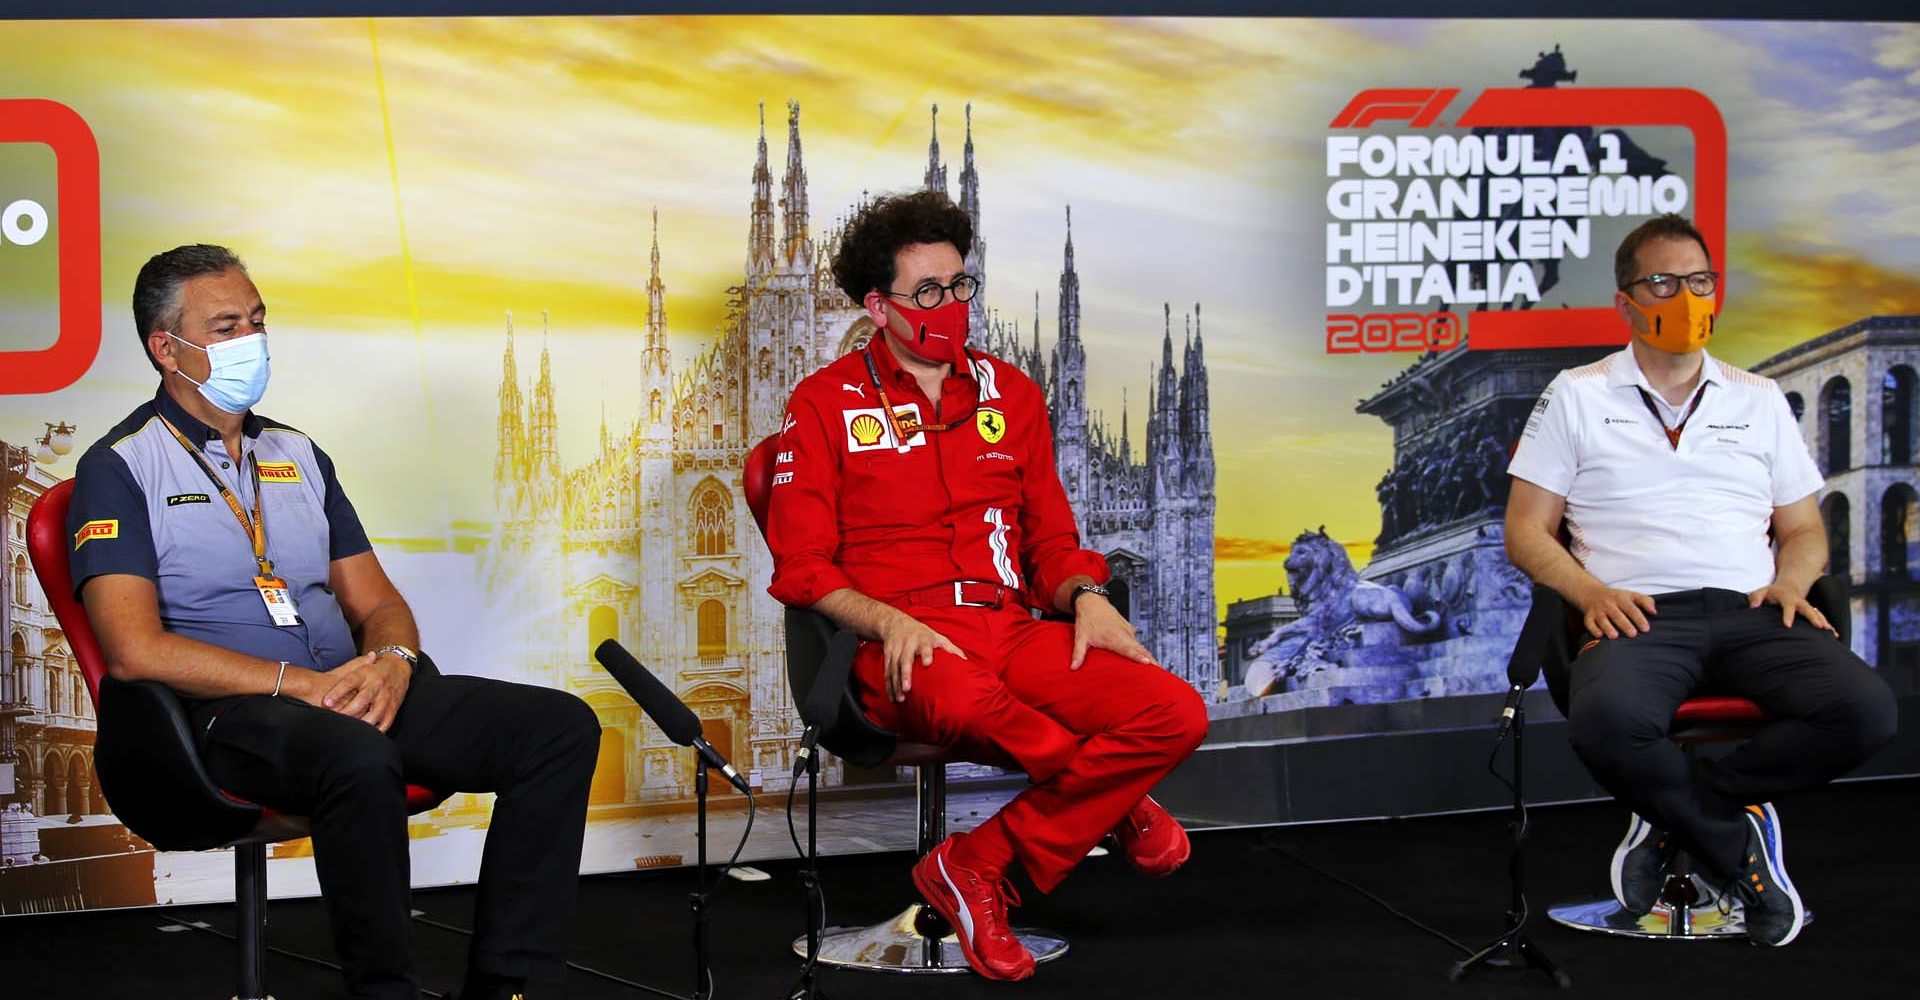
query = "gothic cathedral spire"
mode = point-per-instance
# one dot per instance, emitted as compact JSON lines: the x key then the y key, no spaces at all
{"x":1070,"y":382}
{"x":976,"y":255}
{"x":509,"y":458}
{"x":760,"y":238}
{"x":796,"y":246}
{"x":936,"y":179}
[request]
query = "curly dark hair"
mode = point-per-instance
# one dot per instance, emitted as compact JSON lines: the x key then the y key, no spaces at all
{"x":1626,"y":265}
{"x":864,"y":260}
{"x":156,"y":292}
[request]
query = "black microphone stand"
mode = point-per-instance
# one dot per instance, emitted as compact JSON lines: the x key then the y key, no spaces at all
{"x":810,"y":878}
{"x":702,"y":971}
{"x":1513,"y":949}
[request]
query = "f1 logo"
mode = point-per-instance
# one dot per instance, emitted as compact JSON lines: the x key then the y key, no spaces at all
{"x":1628,"y":106}
{"x":1418,"y":108}
{"x":75,"y":221}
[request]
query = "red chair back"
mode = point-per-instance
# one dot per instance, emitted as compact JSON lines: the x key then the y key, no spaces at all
{"x":756,"y":479}
{"x":47,"y":546}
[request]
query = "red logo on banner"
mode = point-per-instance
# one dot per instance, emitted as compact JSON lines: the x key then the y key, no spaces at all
{"x":1621,"y":106}
{"x":1376,"y":196}
{"x":1417,"y":108}
{"x":76,"y":221}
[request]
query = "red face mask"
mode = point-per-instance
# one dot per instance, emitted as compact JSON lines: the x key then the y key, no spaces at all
{"x":940,"y":332}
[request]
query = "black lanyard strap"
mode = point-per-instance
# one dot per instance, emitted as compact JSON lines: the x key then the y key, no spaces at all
{"x":1673,"y":433}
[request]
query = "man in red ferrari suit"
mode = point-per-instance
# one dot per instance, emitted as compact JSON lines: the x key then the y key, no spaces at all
{"x":915,"y":502}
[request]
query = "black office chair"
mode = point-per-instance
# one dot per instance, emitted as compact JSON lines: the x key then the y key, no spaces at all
{"x":918,"y":939}
{"x":150,"y":772}
{"x":1683,"y":912}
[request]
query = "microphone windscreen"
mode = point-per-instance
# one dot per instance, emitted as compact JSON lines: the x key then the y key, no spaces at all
{"x":1536,"y":634}
{"x":667,"y":711}
{"x":823,"y":699}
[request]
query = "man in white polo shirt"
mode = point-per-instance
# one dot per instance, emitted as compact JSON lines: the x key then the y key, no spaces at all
{"x":1690,"y":501}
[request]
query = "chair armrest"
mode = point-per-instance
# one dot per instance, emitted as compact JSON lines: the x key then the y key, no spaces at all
{"x":1829,"y":594}
{"x":1544,"y":644}
{"x":851,"y":736}
{"x":151,"y":774}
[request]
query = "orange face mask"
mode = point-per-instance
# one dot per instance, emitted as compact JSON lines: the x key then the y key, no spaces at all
{"x":1679,"y":325}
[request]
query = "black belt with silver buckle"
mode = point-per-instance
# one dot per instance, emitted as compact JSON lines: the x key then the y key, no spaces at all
{"x":963,"y":594}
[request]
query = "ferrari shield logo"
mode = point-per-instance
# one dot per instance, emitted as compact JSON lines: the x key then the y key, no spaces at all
{"x":992,"y":425}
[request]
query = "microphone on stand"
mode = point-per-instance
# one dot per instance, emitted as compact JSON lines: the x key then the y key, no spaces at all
{"x":1529,"y":652}
{"x":823,"y":699}
{"x":667,"y":711}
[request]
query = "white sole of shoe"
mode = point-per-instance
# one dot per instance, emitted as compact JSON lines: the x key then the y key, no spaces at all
{"x":1637,"y":831}
{"x":1777,"y":865}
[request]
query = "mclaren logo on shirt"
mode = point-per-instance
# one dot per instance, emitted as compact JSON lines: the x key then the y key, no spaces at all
{"x":991,"y":423}
{"x":278,"y":472}
{"x":95,"y":529}
{"x":867,"y":428}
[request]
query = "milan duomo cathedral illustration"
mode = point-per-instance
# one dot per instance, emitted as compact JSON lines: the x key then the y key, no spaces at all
{"x":651,"y":542}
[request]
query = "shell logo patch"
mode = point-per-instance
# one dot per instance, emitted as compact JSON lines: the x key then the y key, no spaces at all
{"x":95,"y":529}
{"x":867,"y":428}
{"x":278,"y":472}
{"x":991,"y":423}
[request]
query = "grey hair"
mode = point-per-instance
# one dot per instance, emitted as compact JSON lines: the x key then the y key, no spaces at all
{"x":156,"y":292}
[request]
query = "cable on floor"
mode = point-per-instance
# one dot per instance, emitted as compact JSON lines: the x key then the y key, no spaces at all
{"x":1267,"y":842}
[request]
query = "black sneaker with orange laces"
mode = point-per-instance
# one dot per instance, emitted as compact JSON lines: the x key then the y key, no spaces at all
{"x":1774,"y":911}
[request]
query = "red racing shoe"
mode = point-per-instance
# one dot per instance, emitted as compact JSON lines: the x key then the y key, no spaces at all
{"x":976,"y":906}
{"x":1152,"y":840}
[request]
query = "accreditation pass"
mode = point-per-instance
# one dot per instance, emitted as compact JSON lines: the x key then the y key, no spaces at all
{"x":279,"y":600}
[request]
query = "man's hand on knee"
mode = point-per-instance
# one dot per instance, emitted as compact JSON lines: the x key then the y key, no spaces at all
{"x":1097,"y":624}
{"x":905,"y":640}
{"x":1791,"y":603}
{"x":370,"y":688}
{"x":1612,"y":612}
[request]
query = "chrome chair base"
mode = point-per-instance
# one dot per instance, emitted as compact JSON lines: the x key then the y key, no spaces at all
{"x":896,"y":946}
{"x":1700,"y":923}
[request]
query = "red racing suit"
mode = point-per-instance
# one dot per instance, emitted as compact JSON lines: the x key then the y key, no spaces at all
{"x":967,"y":529}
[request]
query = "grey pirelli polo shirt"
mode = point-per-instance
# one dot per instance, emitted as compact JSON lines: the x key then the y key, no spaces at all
{"x":143,"y":505}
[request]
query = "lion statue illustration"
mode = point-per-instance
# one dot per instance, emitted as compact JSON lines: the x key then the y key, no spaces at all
{"x":1334,"y":604}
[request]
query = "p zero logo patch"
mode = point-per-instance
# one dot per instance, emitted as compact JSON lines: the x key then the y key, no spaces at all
{"x":278,"y":472}
{"x":180,"y":498}
{"x":869,"y":430}
{"x":74,"y":226}
{"x":95,"y":529}
{"x":992,"y":425}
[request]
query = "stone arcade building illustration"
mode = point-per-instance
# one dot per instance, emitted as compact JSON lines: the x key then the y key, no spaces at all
{"x":1855,"y":393}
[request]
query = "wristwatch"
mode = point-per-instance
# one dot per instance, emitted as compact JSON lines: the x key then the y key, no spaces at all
{"x":1086,"y":588}
{"x":412,"y":658}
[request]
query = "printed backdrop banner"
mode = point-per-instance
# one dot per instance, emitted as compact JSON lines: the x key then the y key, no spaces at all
{"x":1292,"y":288}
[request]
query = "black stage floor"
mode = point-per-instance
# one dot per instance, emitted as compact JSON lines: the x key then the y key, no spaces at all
{"x":1241,"y":920}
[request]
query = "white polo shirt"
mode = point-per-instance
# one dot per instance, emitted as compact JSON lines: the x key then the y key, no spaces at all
{"x":1646,"y":516}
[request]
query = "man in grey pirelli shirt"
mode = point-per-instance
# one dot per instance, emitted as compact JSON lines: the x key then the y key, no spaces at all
{"x":1689,"y":498}
{"x":216,"y":553}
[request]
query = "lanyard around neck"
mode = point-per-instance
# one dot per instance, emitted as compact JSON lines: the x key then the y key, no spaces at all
{"x":906,"y":427}
{"x":1673,"y":433}
{"x":256,"y":526}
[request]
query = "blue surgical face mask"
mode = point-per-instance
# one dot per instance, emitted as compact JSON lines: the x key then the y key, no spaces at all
{"x":236,"y":372}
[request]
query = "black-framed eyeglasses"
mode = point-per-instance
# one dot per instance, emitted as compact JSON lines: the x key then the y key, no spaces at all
{"x":1666,"y":286}
{"x":931,"y":293}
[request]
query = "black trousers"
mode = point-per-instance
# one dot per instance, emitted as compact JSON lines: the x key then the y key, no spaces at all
{"x":534,"y":746}
{"x":1831,"y":713}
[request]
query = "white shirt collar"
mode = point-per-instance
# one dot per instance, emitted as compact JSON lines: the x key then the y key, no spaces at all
{"x":1627,"y":372}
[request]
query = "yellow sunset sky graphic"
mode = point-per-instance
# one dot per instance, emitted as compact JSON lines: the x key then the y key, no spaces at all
{"x":397,"y":187}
